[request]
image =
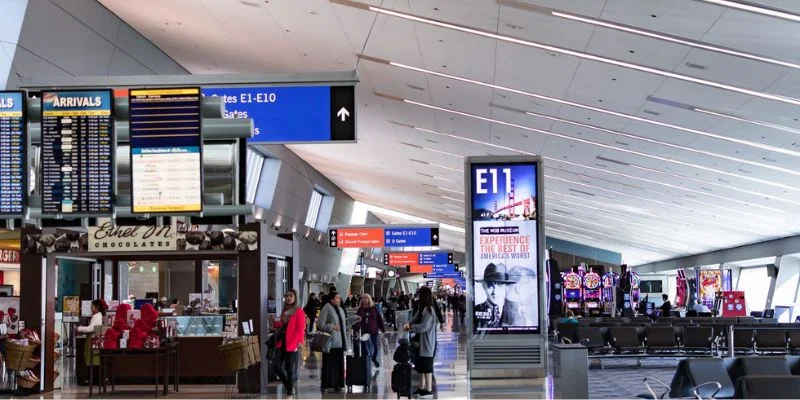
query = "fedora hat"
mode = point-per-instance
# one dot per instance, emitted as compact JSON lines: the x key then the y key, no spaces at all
{"x":496,"y":273}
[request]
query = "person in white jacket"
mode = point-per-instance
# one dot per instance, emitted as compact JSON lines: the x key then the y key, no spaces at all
{"x":98,"y":311}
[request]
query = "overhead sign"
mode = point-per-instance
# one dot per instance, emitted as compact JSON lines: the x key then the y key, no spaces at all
{"x":166,"y":150}
{"x":441,"y":275}
{"x":368,"y":236}
{"x":12,"y":153}
{"x":293,"y":114}
{"x":77,"y":152}
{"x":106,"y":238}
{"x":419,"y":269}
{"x":423,"y":258}
{"x":505,"y":246}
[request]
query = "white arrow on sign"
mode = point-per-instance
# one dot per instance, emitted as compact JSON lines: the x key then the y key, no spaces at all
{"x":343,"y":113}
{"x":435,"y":237}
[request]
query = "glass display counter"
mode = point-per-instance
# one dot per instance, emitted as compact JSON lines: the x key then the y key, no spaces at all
{"x":197,"y":325}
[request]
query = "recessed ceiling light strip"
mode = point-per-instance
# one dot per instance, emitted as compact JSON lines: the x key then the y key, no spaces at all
{"x":583,"y":55}
{"x":750,"y":121}
{"x":603,"y":145}
{"x":640,"y":242}
{"x":674,"y":146}
{"x":560,"y":101}
{"x":756,"y":9}
{"x":672,"y":39}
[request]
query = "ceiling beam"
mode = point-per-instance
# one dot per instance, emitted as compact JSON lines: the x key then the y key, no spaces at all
{"x":769,"y":248}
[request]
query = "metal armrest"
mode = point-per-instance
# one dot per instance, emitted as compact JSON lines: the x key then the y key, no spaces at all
{"x":696,"y":394}
{"x":650,"y":389}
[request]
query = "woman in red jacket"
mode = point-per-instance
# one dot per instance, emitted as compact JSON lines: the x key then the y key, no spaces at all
{"x":292,"y":327}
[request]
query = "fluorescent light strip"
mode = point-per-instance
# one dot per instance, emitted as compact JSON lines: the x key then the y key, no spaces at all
{"x":565,"y":102}
{"x":756,"y":9}
{"x":452,"y":198}
{"x":446,"y":167}
{"x":665,"y":159}
{"x":442,"y":152}
{"x":675,"y":146}
{"x":450,"y":190}
{"x":686,"y":190}
{"x":749,"y":121}
{"x":586,"y":56}
{"x":673,"y":39}
{"x":698,"y":211}
{"x":442,"y":179}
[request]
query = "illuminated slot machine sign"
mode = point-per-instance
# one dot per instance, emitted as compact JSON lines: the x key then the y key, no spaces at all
{"x":591,"y":293}
{"x":572,"y":290}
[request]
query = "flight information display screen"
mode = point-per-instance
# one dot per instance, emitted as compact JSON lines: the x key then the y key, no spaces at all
{"x":77,"y":152}
{"x":12,"y":153}
{"x":166,"y":150}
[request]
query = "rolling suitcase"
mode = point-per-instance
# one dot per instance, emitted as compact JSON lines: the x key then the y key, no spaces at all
{"x":358,"y":367}
{"x":401,"y":380}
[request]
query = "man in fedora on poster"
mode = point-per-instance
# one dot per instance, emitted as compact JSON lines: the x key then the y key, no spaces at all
{"x":490,"y":314}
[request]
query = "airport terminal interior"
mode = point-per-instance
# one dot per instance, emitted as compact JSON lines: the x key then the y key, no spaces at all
{"x":380,"y":199}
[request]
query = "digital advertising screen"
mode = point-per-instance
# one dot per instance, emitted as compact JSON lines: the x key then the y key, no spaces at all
{"x":709,"y":282}
{"x":166,"y":150}
{"x":77,"y":152}
{"x":505,"y":248}
{"x":12,"y":154}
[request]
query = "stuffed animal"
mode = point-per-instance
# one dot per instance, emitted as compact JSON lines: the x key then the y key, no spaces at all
{"x":112,"y":336}
{"x":143,"y":326}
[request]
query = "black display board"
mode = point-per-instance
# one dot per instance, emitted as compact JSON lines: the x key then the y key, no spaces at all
{"x":78,"y":145}
{"x":13,"y":159}
{"x":166,"y":150}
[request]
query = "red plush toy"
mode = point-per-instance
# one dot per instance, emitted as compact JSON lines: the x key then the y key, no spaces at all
{"x":143,"y":326}
{"x":111,"y":340}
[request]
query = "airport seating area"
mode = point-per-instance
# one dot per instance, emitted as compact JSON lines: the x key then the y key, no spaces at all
{"x":681,"y":336}
{"x":774,"y":377}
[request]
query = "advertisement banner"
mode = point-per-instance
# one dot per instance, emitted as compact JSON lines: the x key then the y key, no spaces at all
{"x":505,"y":248}
{"x":709,"y":282}
{"x":71,"y":306}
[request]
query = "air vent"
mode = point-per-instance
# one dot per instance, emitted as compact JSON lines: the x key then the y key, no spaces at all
{"x":612,"y":161}
{"x":418,"y":161}
{"x":651,"y":112}
{"x":723,"y":180}
{"x":562,"y":212}
{"x":621,"y":143}
{"x":429,"y":185}
{"x":432,"y":141}
{"x":601,"y":165}
{"x":507,"y":357}
{"x":250,"y":4}
{"x":421,"y":89}
{"x":772,"y":160}
{"x":745,"y":171}
{"x":695,"y":66}
{"x":691,"y":196}
{"x":425,"y":175}
{"x":581,"y":192}
{"x":706,"y":189}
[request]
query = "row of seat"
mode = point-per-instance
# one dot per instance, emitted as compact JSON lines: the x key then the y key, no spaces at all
{"x":741,"y":377}
{"x":683,"y":339}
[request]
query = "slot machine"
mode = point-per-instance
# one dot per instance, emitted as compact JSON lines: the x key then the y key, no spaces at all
{"x":682,"y":290}
{"x":592,"y":284}
{"x":572,"y":291}
{"x":635,"y":290}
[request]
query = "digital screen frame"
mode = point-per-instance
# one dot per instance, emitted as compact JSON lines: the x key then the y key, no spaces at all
{"x":505,"y":248}
{"x":20,"y":111}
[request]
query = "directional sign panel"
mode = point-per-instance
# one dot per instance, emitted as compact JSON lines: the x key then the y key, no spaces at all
{"x":397,"y":237}
{"x":435,"y":275}
{"x":435,"y":258}
{"x":423,"y":258}
{"x":293,"y":114}
{"x":395,"y":259}
{"x":356,"y":237}
{"x":419,"y":269}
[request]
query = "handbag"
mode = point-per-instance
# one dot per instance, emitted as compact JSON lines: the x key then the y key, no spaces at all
{"x":321,"y":342}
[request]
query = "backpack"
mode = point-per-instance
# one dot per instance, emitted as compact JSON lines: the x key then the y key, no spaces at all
{"x":402,"y":355}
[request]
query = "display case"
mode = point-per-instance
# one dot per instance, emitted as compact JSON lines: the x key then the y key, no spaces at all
{"x":197,"y":325}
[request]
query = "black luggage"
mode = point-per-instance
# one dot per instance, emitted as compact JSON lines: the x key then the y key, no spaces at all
{"x":401,"y":380}
{"x":358,"y":367}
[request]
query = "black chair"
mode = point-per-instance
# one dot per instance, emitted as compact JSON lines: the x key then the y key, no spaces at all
{"x":702,"y":378}
{"x":626,"y":339}
{"x":743,"y":340}
{"x":759,"y":366}
{"x":566,"y":331}
{"x":771,"y":340}
{"x":793,"y":340}
{"x":794,"y":364}
{"x":661,"y":339}
{"x":698,"y":339}
{"x":592,"y":338}
{"x":768,"y":387}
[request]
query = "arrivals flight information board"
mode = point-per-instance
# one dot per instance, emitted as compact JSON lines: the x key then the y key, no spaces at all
{"x":12,"y":153}
{"x":166,"y":150}
{"x":77,"y":152}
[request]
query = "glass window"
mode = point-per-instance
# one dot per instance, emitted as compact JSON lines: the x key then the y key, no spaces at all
{"x":255,"y":162}
{"x":313,"y":209}
{"x":754,"y":282}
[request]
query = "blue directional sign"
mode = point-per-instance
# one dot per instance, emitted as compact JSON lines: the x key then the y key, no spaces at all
{"x":444,"y":268}
{"x":293,"y":114}
{"x":443,"y":275}
{"x":427,"y":258}
{"x":396,"y":237}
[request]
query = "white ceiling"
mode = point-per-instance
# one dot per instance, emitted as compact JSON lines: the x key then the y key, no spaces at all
{"x":646,"y":196}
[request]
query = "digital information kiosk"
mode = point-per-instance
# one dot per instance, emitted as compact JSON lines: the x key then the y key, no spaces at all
{"x":505,"y":250}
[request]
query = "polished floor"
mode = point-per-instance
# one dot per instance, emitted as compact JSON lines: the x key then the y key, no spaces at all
{"x":619,"y":379}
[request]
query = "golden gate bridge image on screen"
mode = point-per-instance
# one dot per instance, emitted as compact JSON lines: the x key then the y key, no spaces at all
{"x":512,"y":207}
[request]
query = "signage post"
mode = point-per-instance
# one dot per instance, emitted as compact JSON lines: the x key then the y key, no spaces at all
{"x":505,"y":277}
